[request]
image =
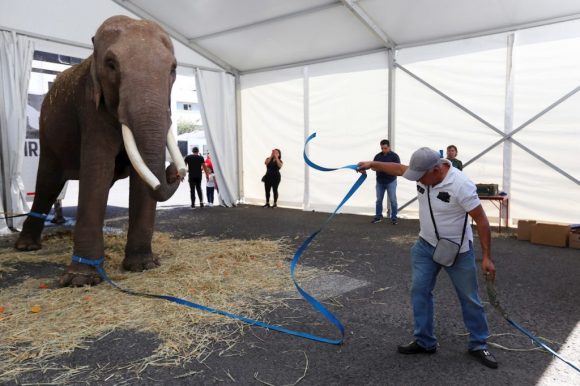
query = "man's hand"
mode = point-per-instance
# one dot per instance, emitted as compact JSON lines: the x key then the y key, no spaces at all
{"x":363,"y":166}
{"x":488,"y":269}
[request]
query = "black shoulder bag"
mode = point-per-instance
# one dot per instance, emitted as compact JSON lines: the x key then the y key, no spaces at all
{"x":446,"y":251}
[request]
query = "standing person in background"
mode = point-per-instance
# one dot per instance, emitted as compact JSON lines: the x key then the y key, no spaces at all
{"x":208,"y":162}
{"x":195,"y":164}
{"x":386,"y":182}
{"x":210,"y":187}
{"x":451,"y":154}
{"x":272,"y":177}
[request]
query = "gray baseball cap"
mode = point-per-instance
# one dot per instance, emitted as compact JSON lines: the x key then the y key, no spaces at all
{"x":422,"y":160}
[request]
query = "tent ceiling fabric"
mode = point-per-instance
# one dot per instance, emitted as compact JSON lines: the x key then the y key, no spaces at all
{"x":250,"y":35}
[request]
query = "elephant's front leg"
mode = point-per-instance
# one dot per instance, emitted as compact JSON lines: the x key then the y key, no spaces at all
{"x":95,"y":177}
{"x":138,"y":253}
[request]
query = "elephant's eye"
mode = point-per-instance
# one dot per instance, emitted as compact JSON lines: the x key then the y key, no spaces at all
{"x":111,"y":65}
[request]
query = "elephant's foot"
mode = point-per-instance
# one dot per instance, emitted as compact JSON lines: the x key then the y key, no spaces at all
{"x":27,"y":242}
{"x":140,"y":262}
{"x":79,"y":275}
{"x":59,"y":220}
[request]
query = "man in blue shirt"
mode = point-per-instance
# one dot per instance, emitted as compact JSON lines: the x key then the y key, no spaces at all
{"x":386,"y":182}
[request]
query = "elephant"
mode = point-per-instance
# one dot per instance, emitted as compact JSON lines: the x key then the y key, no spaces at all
{"x":105,"y":119}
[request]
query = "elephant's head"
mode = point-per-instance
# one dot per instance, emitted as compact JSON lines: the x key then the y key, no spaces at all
{"x":133,"y":70}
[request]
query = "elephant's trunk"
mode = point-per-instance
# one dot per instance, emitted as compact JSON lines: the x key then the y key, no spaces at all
{"x":164,"y":182}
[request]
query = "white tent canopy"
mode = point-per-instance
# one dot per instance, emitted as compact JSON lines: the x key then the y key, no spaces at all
{"x":497,"y":79}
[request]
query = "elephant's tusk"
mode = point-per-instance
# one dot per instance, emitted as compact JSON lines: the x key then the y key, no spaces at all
{"x":137,"y":161}
{"x":175,"y":154}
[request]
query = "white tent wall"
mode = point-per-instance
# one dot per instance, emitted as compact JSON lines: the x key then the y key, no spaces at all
{"x":15,"y":62}
{"x":459,"y":92}
{"x":348,"y":102}
{"x":273,"y":117}
{"x":547,"y":60}
{"x":216,"y":92}
{"x":472,"y":74}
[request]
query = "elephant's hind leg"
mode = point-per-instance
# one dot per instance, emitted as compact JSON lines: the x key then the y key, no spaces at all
{"x":49,"y":183}
{"x":138,"y":253}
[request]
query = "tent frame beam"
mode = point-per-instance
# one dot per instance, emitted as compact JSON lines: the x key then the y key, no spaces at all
{"x":287,"y":16}
{"x":314,"y":61}
{"x":131,"y":7}
{"x":361,"y":14}
{"x":51,"y":39}
{"x":493,"y":31}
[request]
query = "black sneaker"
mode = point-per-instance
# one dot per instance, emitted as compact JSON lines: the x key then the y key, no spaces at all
{"x":414,"y":348}
{"x":485,"y":357}
{"x":376,"y":220}
{"x":201,"y":205}
{"x":394,"y":221}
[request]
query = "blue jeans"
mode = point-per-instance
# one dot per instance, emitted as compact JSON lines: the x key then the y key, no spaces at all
{"x":463,"y":275}
{"x":391,"y":189}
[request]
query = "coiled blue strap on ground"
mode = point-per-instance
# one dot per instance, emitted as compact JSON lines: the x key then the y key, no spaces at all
{"x":98,"y":264}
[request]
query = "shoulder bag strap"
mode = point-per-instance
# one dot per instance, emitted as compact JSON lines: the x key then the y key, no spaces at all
{"x":431,"y":210}
{"x":464,"y":229}
{"x":433,"y":217}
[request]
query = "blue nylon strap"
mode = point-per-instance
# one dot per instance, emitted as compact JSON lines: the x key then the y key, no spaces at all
{"x":492,"y":295}
{"x":309,"y":298}
{"x":187,"y":303}
{"x":38,"y":215}
{"x":541,"y":344}
{"x":91,"y":262}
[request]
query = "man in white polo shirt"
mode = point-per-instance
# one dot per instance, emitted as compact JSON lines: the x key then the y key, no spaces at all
{"x":445,"y":195}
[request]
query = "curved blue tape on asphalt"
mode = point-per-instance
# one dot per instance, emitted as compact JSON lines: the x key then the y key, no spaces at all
{"x":536,"y":340}
{"x":309,"y":298}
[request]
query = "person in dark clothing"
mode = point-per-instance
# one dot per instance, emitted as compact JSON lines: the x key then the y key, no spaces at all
{"x":195,"y":164}
{"x":452,"y":156}
{"x":386,"y":182}
{"x":272,"y":177}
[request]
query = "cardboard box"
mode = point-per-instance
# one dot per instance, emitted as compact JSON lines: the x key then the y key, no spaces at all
{"x":525,"y":229}
{"x":550,"y":234}
{"x":574,"y":239}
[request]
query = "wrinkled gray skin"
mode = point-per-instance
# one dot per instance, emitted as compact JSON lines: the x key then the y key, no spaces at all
{"x":127,"y":80}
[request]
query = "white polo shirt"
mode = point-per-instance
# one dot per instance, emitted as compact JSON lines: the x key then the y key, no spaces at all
{"x":450,"y":200}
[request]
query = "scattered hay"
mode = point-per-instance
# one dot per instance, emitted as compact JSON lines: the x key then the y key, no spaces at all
{"x":231,"y":275}
{"x":403,"y":240}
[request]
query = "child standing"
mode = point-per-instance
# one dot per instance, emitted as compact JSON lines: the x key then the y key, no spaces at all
{"x":210,"y":187}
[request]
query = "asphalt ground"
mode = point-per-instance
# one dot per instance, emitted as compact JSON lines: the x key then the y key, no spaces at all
{"x":538,"y":285}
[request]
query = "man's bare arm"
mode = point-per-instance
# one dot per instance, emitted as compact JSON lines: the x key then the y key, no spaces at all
{"x":392,"y":168}
{"x":484,"y":231}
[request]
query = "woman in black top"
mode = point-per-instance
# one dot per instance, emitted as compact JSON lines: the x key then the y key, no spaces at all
{"x":272,"y":177}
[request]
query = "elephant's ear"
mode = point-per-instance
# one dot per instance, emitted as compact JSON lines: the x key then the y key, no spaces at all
{"x":96,"y":85}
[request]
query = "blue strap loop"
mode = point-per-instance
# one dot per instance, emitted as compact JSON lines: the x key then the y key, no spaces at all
{"x":41,"y":216}
{"x":36,"y":215}
{"x":296,"y":258}
{"x":91,"y":262}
